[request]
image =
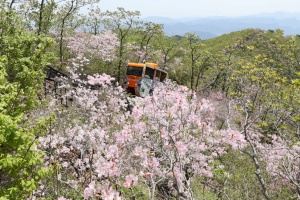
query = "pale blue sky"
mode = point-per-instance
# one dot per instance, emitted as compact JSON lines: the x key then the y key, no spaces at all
{"x":201,"y":8}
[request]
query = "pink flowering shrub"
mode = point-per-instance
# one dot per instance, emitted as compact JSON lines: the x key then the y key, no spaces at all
{"x":102,"y":45}
{"x":80,"y":137}
{"x":175,"y":139}
{"x":282,"y":162}
{"x":98,"y":146}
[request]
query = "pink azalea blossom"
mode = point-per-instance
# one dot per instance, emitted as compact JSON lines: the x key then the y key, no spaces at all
{"x":130,"y":181}
{"x":181,"y":147}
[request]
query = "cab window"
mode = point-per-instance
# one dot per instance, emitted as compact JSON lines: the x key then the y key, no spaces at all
{"x":158,"y":74}
{"x":135,"y":71}
{"x":163,"y":76}
{"x":149,"y":72}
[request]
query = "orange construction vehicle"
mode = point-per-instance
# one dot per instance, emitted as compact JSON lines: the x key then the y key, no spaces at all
{"x":141,"y":78}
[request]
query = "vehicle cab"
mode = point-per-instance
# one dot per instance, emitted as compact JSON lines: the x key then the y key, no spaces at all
{"x":140,"y":78}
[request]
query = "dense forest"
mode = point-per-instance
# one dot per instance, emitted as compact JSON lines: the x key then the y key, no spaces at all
{"x":225,"y":125}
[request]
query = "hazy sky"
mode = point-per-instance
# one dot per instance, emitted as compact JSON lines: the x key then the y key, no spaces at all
{"x":201,"y":8}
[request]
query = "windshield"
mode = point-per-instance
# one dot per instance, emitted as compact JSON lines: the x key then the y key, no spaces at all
{"x":136,"y":71}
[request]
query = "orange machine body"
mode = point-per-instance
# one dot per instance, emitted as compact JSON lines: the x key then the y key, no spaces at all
{"x":136,"y":71}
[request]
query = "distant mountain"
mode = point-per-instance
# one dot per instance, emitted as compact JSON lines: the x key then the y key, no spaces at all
{"x":211,"y":27}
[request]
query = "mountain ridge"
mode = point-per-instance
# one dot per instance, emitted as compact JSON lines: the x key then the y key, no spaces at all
{"x":209,"y":27}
